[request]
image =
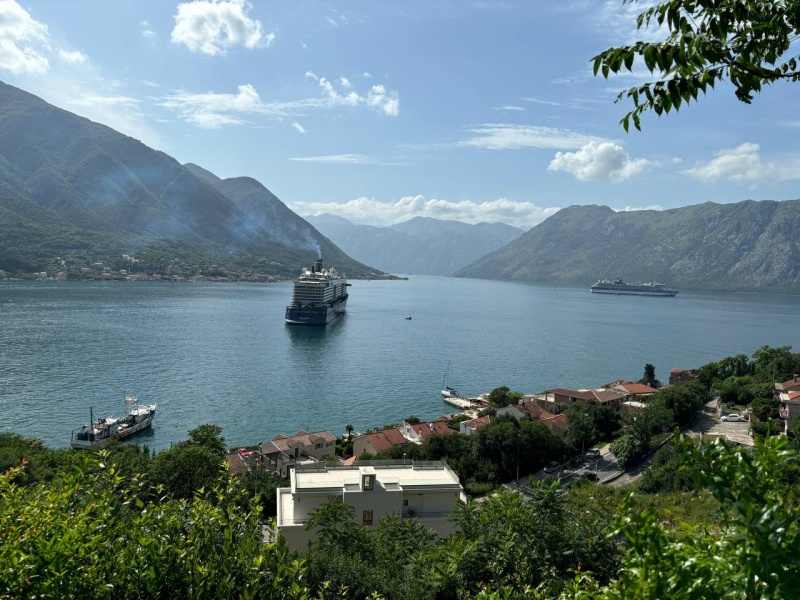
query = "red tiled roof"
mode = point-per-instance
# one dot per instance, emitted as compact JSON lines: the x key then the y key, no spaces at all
{"x":794,"y":396}
{"x":792,"y":384}
{"x":441,"y":428}
{"x":532,"y":409}
{"x":479,"y":422}
{"x":637,"y":388}
{"x":557,"y":424}
{"x":382,"y":441}
{"x":393,"y":435}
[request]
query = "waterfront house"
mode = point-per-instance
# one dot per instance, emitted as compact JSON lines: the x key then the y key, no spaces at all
{"x":528,"y":409}
{"x":629,"y":389}
{"x":283,"y":453}
{"x":425,"y":491}
{"x":419,"y":432}
{"x":788,"y":392}
{"x":378,"y":441}
{"x":607,"y":397}
{"x":677,"y":376}
{"x":471,"y":426}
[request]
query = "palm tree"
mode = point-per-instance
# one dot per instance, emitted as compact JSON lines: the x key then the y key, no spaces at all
{"x":349,"y":429}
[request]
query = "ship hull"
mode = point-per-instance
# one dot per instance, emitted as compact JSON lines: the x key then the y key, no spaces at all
{"x":315,"y":314}
{"x":668,"y":293}
{"x":119,"y":435}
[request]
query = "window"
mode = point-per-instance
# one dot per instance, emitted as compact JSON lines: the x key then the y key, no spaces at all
{"x":405,"y":502}
{"x":369,"y":482}
{"x":318,"y":446}
{"x":367,"y":517}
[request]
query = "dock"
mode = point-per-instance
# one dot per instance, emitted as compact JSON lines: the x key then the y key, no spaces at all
{"x":464,"y":403}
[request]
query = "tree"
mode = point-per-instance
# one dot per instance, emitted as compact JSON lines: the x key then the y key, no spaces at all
{"x":349,"y":429}
{"x":581,"y":431}
{"x":649,"y":377}
{"x":209,"y":437}
{"x":745,"y":42}
{"x":185,"y":469}
{"x":502,"y":396}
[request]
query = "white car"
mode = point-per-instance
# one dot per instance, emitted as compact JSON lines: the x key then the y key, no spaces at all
{"x":733,"y":418}
{"x":593,"y":453}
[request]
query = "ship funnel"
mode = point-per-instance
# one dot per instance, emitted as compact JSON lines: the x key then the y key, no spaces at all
{"x":318,"y":266}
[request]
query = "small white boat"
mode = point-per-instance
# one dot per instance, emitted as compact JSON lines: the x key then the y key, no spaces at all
{"x":447,"y":391}
{"x":101,"y":431}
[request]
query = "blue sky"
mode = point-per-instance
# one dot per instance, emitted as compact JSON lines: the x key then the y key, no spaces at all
{"x":380,"y":111}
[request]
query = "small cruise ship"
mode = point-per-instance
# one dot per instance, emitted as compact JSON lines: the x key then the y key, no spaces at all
{"x":617,"y":286}
{"x":318,"y":298}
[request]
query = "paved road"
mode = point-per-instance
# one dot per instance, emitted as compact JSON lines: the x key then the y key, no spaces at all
{"x":605,"y":467}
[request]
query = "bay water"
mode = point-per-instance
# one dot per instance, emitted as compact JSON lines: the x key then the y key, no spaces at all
{"x":221,"y":353}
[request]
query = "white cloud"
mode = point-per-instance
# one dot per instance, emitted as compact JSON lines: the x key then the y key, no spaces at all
{"x":338,"y":159}
{"x":212,"y":26}
{"x":373,"y":212}
{"x":547,"y":102}
{"x":366,"y":74}
{"x":73,"y":58}
{"x":212,"y":110}
{"x":637,"y":208}
{"x":332,"y":22}
{"x":599,"y":161}
{"x":498,"y":136}
{"x":23,"y":41}
{"x":147,"y":30}
{"x":298,"y":127}
{"x":99,"y":100}
{"x":509,"y":108}
{"x":744,"y":163}
{"x":344,"y":82}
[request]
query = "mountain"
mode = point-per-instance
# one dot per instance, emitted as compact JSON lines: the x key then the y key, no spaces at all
{"x":748,"y":246}
{"x":421,"y":246}
{"x":79,"y":191}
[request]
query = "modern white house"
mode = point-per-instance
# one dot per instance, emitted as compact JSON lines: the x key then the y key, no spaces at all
{"x":425,"y":491}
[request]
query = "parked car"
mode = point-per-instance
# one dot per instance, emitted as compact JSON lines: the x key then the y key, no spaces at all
{"x":733,"y":418}
{"x":593,"y":453}
{"x":589,"y":475}
{"x":552,"y":467}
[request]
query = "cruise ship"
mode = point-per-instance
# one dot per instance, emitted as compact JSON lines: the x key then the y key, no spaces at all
{"x":617,"y":286}
{"x":319,"y":297}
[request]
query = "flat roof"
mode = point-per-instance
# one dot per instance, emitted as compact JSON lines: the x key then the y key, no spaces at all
{"x":390,"y":475}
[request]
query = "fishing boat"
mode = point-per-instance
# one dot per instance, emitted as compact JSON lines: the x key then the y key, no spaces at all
{"x":103,"y":430}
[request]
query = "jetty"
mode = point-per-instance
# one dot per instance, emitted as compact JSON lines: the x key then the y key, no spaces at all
{"x":465,"y":403}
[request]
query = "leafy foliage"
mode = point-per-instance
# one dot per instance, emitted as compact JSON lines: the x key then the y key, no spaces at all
{"x":745,"y":42}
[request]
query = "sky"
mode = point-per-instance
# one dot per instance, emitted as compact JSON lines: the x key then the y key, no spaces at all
{"x":380,"y":111}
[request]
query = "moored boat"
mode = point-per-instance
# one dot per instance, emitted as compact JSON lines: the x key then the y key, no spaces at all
{"x":319,"y":296}
{"x":104,"y":430}
{"x":617,"y":286}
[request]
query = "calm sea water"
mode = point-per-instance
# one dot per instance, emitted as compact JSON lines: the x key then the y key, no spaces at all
{"x":221,"y":353}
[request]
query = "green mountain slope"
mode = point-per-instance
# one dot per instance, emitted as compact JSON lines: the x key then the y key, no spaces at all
{"x":420,"y":246}
{"x":747,"y":246}
{"x":76,"y":190}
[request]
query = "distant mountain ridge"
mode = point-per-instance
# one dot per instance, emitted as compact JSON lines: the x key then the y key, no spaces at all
{"x":419,"y":246}
{"x":75,"y":190}
{"x":749,"y":246}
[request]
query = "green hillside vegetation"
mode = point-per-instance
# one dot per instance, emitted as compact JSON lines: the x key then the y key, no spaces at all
{"x":706,"y":521}
{"x":747,"y":246}
{"x":76,"y":191}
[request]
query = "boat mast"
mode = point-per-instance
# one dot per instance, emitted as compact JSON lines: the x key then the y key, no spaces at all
{"x":444,"y":381}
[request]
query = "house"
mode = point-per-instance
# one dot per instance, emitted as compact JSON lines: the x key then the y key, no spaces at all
{"x":783,"y":389}
{"x":470,"y":427}
{"x":677,"y":376}
{"x":604,"y":396}
{"x":631,"y":389}
{"x":427,"y":492}
{"x":378,"y":441}
{"x":283,"y":453}
{"x":790,"y":409}
{"x":527,"y":409}
{"x":419,"y":432}
{"x":631,"y":406}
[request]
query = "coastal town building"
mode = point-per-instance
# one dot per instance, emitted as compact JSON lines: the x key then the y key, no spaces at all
{"x":471,"y":426}
{"x":788,"y":393}
{"x":677,"y":376}
{"x":425,"y":491}
{"x":605,"y":396}
{"x":529,"y":409}
{"x":419,"y":432}
{"x":629,"y":389}
{"x":378,"y":441}
{"x":283,"y":453}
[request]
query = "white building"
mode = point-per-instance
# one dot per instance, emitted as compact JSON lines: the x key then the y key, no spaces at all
{"x":426,"y":491}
